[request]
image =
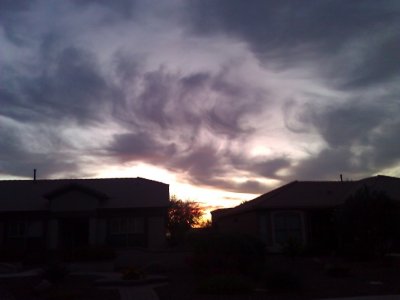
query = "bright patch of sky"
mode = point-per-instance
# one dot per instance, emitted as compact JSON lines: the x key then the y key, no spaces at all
{"x":223,"y":100}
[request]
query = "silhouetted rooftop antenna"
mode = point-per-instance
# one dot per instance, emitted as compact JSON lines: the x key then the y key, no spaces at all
{"x":34,"y":174}
{"x":341,"y":178}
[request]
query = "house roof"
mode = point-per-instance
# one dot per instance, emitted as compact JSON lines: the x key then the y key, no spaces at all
{"x":34,"y":195}
{"x":314,"y":194}
{"x":387,"y":184}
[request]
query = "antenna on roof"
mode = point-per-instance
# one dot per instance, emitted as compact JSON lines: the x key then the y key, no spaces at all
{"x":34,"y":174}
{"x":341,"y":178}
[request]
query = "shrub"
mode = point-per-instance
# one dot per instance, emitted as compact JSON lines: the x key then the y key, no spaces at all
{"x":55,"y":273}
{"x":227,"y":253}
{"x":367,"y":224}
{"x":19,"y":254}
{"x":182,"y":216}
{"x":283,"y":281}
{"x":337,"y":270}
{"x":225,"y":284}
{"x":90,"y":253}
{"x":34,"y":258}
{"x":293,"y":248}
{"x":11,"y":254}
{"x":132,"y":273}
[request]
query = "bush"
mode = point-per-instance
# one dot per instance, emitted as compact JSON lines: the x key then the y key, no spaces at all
{"x":337,"y":270}
{"x":229,"y":284}
{"x":227,"y":253}
{"x":182,"y":216}
{"x":90,"y":253}
{"x":19,"y":254}
{"x":283,"y":281}
{"x":293,"y":248}
{"x":133,"y":273}
{"x":55,"y":273}
{"x":11,"y":254}
{"x":367,"y":225}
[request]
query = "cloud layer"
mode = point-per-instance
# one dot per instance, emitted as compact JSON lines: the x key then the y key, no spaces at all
{"x":223,"y":94}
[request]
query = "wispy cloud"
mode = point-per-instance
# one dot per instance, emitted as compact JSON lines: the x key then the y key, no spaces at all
{"x":197,"y":87}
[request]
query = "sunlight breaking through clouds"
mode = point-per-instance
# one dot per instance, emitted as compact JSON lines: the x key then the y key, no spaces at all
{"x":200,"y":94}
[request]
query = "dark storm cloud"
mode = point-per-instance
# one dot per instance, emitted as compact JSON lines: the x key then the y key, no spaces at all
{"x":285,"y":33}
{"x":277,"y":25}
{"x":123,"y":7}
{"x":269,"y":168}
{"x":196,"y":81}
{"x":351,"y":46}
{"x":380,"y":63}
{"x":361,"y":137}
{"x":351,"y":123}
{"x":328,"y":164}
{"x":164,"y":113}
{"x":202,"y":165}
{"x":182,"y":105}
{"x":385,"y":146}
{"x":69,"y":86}
{"x":134,"y":146}
{"x":168,"y":114}
{"x":200,"y":121}
{"x":297,"y":116}
{"x":248,"y":186}
{"x":48,"y":165}
{"x":18,"y":157}
{"x":11,"y":19}
{"x":61,"y":87}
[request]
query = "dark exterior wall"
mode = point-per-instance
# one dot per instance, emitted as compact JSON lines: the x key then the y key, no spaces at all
{"x":246,"y":223}
{"x":74,"y":200}
{"x":321,"y":230}
{"x":265,"y":227}
{"x":154,"y":227}
{"x":32,"y":240}
{"x":153,"y":235}
{"x":94,"y":205}
{"x":260,"y":224}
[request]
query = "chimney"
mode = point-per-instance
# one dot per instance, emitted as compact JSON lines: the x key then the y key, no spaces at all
{"x":34,"y":174}
{"x":341,"y":178}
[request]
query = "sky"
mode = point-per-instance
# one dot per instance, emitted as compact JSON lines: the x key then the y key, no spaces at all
{"x":222,"y":99}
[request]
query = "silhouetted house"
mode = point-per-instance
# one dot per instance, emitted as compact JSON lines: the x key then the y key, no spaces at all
{"x":300,"y":210}
{"x":51,"y":214}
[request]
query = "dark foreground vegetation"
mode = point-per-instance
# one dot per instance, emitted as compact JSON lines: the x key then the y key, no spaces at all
{"x":69,"y":287}
{"x":235,"y":267}
{"x":216,"y":266}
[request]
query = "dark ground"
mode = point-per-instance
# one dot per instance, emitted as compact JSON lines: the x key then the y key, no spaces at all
{"x":72,"y":287}
{"x":363,"y":278}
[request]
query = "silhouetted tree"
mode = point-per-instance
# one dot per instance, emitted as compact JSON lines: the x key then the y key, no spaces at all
{"x":368,"y":224}
{"x":182,"y":216}
{"x":205,"y":224}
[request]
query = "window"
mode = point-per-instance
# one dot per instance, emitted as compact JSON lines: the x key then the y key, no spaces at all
{"x":24,"y":229}
{"x":17,"y":229}
{"x":126,"y":225}
{"x":288,"y":225}
{"x":264,"y":223}
{"x":127,"y":231}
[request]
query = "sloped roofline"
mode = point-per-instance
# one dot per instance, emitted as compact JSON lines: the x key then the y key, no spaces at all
{"x":83,"y":179}
{"x":75,"y":186}
{"x":257,"y":202}
{"x":33,"y":195}
{"x":251,"y":204}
